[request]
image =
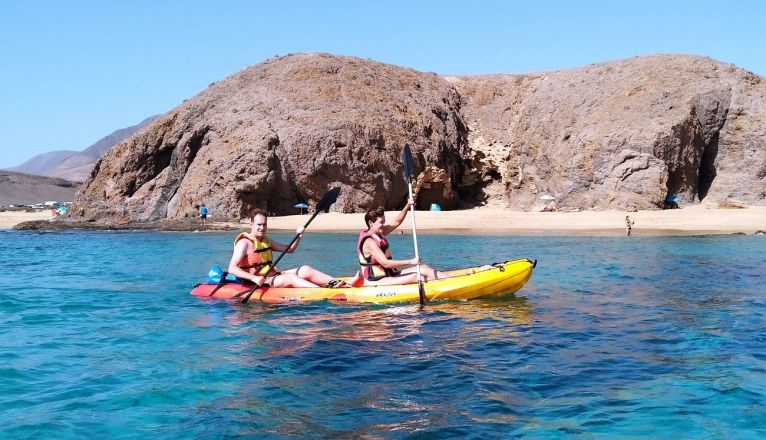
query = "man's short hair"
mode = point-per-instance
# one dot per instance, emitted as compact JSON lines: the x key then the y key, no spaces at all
{"x":258,"y":212}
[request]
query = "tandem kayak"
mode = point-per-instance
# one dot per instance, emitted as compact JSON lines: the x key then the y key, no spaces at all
{"x":474,"y":282}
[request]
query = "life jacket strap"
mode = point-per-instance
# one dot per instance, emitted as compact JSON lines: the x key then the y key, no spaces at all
{"x":257,"y":265}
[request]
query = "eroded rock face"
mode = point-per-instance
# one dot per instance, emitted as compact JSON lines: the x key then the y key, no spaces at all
{"x":612,"y":135}
{"x":284,"y":132}
{"x":619,"y":134}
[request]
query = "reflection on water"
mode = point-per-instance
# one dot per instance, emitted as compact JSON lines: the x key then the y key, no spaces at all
{"x":357,"y":358}
{"x":301,"y":326}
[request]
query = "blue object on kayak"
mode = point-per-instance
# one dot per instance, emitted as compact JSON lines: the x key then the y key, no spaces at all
{"x":214,"y":276}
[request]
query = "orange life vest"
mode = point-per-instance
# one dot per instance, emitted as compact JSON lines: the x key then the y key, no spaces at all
{"x":257,"y":262}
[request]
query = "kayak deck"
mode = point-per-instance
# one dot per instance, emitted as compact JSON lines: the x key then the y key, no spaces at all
{"x":461,"y":284}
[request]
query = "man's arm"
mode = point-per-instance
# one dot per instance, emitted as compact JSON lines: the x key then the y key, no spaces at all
{"x":279,"y":247}
{"x":240,"y":249}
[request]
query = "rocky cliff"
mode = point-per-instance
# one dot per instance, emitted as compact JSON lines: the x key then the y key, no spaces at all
{"x":611,"y":135}
{"x":619,"y":134}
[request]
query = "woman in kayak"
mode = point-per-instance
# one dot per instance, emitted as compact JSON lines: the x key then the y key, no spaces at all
{"x":252,"y":260}
{"x":374,"y":255}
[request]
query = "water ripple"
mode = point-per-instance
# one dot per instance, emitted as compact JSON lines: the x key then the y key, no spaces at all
{"x":647,"y":337}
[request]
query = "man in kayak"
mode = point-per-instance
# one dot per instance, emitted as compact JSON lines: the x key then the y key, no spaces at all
{"x":252,"y":260}
{"x":374,"y":255}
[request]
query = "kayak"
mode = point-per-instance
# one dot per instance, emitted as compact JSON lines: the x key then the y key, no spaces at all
{"x":474,"y":282}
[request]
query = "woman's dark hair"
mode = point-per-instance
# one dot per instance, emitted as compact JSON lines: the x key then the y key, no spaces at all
{"x":373,"y":215}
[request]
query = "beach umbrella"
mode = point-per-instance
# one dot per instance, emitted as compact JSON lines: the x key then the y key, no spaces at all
{"x":301,"y":206}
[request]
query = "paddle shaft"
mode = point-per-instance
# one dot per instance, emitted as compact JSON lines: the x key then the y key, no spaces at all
{"x":408,"y":176}
{"x":421,"y":290}
{"x":323,"y":204}
{"x":297,"y":236}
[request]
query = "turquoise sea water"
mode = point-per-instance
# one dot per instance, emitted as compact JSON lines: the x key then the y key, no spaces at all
{"x":613,"y":337}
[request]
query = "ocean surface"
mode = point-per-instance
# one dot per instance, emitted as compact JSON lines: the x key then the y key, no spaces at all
{"x":613,"y":337}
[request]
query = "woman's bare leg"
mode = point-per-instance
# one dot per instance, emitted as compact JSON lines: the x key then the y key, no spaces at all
{"x":427,"y":271}
{"x":389,"y":281}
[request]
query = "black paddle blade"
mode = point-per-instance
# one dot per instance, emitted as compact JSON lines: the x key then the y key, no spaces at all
{"x":407,"y":162}
{"x":329,"y":198}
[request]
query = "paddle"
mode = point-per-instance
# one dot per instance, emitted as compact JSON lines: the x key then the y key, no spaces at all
{"x":408,"y":176}
{"x":329,"y":198}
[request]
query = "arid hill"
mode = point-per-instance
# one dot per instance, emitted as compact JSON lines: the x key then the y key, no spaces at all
{"x":25,"y":189}
{"x":76,"y":165}
{"x":612,"y":135}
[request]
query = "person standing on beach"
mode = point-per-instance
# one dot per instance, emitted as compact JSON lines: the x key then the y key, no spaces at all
{"x":203,"y":214}
{"x":252,"y":259}
{"x":628,"y":225}
{"x":374,"y":254}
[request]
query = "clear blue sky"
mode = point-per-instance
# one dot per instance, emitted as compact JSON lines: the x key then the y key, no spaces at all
{"x":72,"y":72}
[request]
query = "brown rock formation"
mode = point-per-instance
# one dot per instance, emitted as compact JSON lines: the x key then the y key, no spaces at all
{"x":284,"y":131}
{"x":619,"y":134}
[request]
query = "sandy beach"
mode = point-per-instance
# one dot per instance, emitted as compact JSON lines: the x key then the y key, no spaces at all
{"x":691,"y":220}
{"x":9,"y":219}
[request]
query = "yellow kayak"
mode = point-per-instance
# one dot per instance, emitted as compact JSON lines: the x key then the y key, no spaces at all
{"x":475,"y":282}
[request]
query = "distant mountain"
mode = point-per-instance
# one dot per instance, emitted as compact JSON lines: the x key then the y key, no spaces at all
{"x":75,"y":166}
{"x":42,"y":162}
{"x":25,"y":189}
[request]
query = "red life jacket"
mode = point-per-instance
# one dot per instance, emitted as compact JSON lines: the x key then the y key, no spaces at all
{"x":371,"y":269}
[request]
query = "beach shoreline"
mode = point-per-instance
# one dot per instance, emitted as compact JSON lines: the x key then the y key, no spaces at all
{"x":691,"y":220}
{"x":11,"y":218}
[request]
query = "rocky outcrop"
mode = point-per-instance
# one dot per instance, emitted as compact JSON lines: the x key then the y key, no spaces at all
{"x":620,"y":134}
{"x":283,"y":132}
{"x":613,"y":135}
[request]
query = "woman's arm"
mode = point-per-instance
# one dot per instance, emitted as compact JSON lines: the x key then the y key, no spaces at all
{"x":391,"y":227}
{"x":373,"y":249}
